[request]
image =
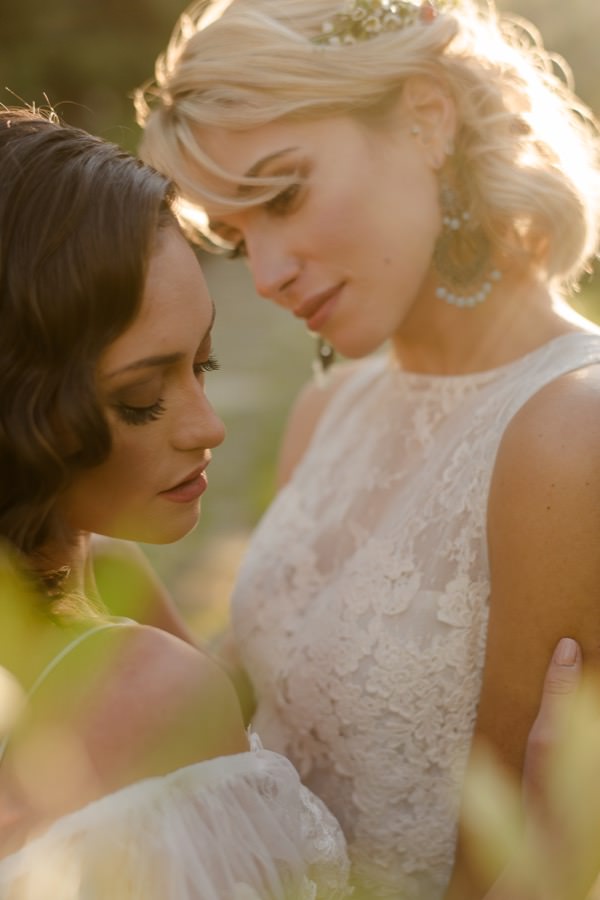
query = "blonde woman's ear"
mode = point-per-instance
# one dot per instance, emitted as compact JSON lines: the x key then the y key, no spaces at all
{"x":430,"y":109}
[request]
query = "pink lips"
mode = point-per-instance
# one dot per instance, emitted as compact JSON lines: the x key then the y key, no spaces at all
{"x":188,"y":490}
{"x":316,"y":310}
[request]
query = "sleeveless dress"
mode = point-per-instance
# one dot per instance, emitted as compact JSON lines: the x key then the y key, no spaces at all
{"x":361,"y":607}
{"x":238,"y":827}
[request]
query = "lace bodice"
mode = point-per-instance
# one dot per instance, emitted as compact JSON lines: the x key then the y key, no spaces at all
{"x":361,"y":607}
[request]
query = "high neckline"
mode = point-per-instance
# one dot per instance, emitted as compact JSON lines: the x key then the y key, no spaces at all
{"x":484,"y":376}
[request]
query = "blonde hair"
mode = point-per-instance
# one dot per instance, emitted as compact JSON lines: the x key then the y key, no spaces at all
{"x":529,"y":149}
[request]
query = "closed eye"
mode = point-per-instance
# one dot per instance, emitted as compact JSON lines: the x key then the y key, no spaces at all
{"x":208,"y":365}
{"x":237,"y":251}
{"x":285,"y":201}
{"x":140,"y":415}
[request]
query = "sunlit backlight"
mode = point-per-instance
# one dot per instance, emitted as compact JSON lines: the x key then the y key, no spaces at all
{"x":12,"y":700}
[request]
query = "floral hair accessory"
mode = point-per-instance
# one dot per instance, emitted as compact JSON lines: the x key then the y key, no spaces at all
{"x":364,"y":19}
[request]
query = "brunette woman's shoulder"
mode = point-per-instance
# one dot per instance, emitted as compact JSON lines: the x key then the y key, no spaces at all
{"x":128,"y":703}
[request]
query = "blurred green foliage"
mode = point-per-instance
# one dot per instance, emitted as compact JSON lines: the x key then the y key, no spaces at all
{"x":554,"y":853}
{"x":84,"y":56}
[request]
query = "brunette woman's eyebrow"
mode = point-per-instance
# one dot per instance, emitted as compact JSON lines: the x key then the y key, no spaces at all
{"x":168,"y":359}
{"x":165,"y":359}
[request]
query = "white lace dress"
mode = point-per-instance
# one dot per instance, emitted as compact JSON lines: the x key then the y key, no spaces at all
{"x":361,"y":607}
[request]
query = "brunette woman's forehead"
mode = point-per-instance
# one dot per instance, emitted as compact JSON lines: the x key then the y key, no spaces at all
{"x":161,"y":360}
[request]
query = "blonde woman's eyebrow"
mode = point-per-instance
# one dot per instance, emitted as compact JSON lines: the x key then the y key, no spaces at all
{"x":258,"y":166}
{"x":254,"y":171}
{"x":221,"y":229}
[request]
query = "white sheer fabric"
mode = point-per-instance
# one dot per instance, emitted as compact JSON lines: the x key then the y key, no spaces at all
{"x":361,"y":606}
{"x":233,"y":828}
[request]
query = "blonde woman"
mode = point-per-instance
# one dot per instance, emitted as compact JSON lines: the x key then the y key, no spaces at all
{"x":416,"y":179}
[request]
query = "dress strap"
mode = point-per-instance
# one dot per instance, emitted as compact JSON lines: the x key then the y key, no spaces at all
{"x":49,"y":667}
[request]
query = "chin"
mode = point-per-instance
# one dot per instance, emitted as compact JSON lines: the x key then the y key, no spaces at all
{"x":160,"y":532}
{"x":357,"y":346}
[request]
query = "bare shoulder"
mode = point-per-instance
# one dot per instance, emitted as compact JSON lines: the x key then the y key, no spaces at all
{"x":304,"y":418}
{"x":545,"y":487}
{"x":557,"y":431}
{"x":171,"y":701}
{"x":543,"y":527}
{"x":136,"y":702}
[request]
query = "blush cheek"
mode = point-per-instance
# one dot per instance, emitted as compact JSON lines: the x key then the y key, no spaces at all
{"x":118,"y":489}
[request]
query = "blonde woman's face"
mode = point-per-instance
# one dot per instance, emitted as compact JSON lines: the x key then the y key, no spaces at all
{"x":347,"y":248}
{"x":151,"y":382}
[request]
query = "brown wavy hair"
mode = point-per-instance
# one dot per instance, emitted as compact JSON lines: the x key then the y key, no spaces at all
{"x":79,"y":218}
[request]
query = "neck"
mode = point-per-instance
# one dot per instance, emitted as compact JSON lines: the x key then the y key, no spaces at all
{"x":69,"y":559}
{"x":25,"y":621}
{"x":519,"y":316}
{"x":66,"y":567}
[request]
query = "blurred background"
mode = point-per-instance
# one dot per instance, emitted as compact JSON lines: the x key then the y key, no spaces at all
{"x":84,"y":57}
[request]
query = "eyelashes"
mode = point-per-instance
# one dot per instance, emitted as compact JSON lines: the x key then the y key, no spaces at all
{"x":283,"y":202}
{"x":238,"y":251}
{"x":208,"y":365}
{"x":142,"y":415}
{"x":280,"y":205}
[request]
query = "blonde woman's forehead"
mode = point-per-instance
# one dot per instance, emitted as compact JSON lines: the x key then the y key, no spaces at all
{"x":259,"y":151}
{"x":228,"y":169}
{"x":246,"y":153}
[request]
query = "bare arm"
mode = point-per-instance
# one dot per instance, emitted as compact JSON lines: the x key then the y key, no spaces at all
{"x":563,"y":678}
{"x":543,"y":527}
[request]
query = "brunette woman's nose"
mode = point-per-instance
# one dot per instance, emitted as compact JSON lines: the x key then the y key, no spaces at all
{"x":199,"y":427}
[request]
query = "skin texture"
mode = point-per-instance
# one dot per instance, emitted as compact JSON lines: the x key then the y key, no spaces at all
{"x":130,"y":702}
{"x":371,"y":232}
{"x":302,"y":246}
{"x":123,"y":497}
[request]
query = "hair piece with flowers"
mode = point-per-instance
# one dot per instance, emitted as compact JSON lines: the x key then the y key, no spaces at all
{"x":362,"y":20}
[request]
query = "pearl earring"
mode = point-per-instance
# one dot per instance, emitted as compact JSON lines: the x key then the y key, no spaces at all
{"x":462,"y":256}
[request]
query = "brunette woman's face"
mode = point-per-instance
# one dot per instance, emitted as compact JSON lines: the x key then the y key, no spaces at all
{"x":348,"y":247}
{"x":151,"y":384}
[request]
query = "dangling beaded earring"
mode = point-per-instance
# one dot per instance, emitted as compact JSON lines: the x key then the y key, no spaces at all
{"x":462,"y":255}
{"x":324,"y":359}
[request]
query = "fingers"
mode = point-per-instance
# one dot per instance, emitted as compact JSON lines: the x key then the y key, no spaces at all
{"x":563,"y":672}
{"x":560,"y":685}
